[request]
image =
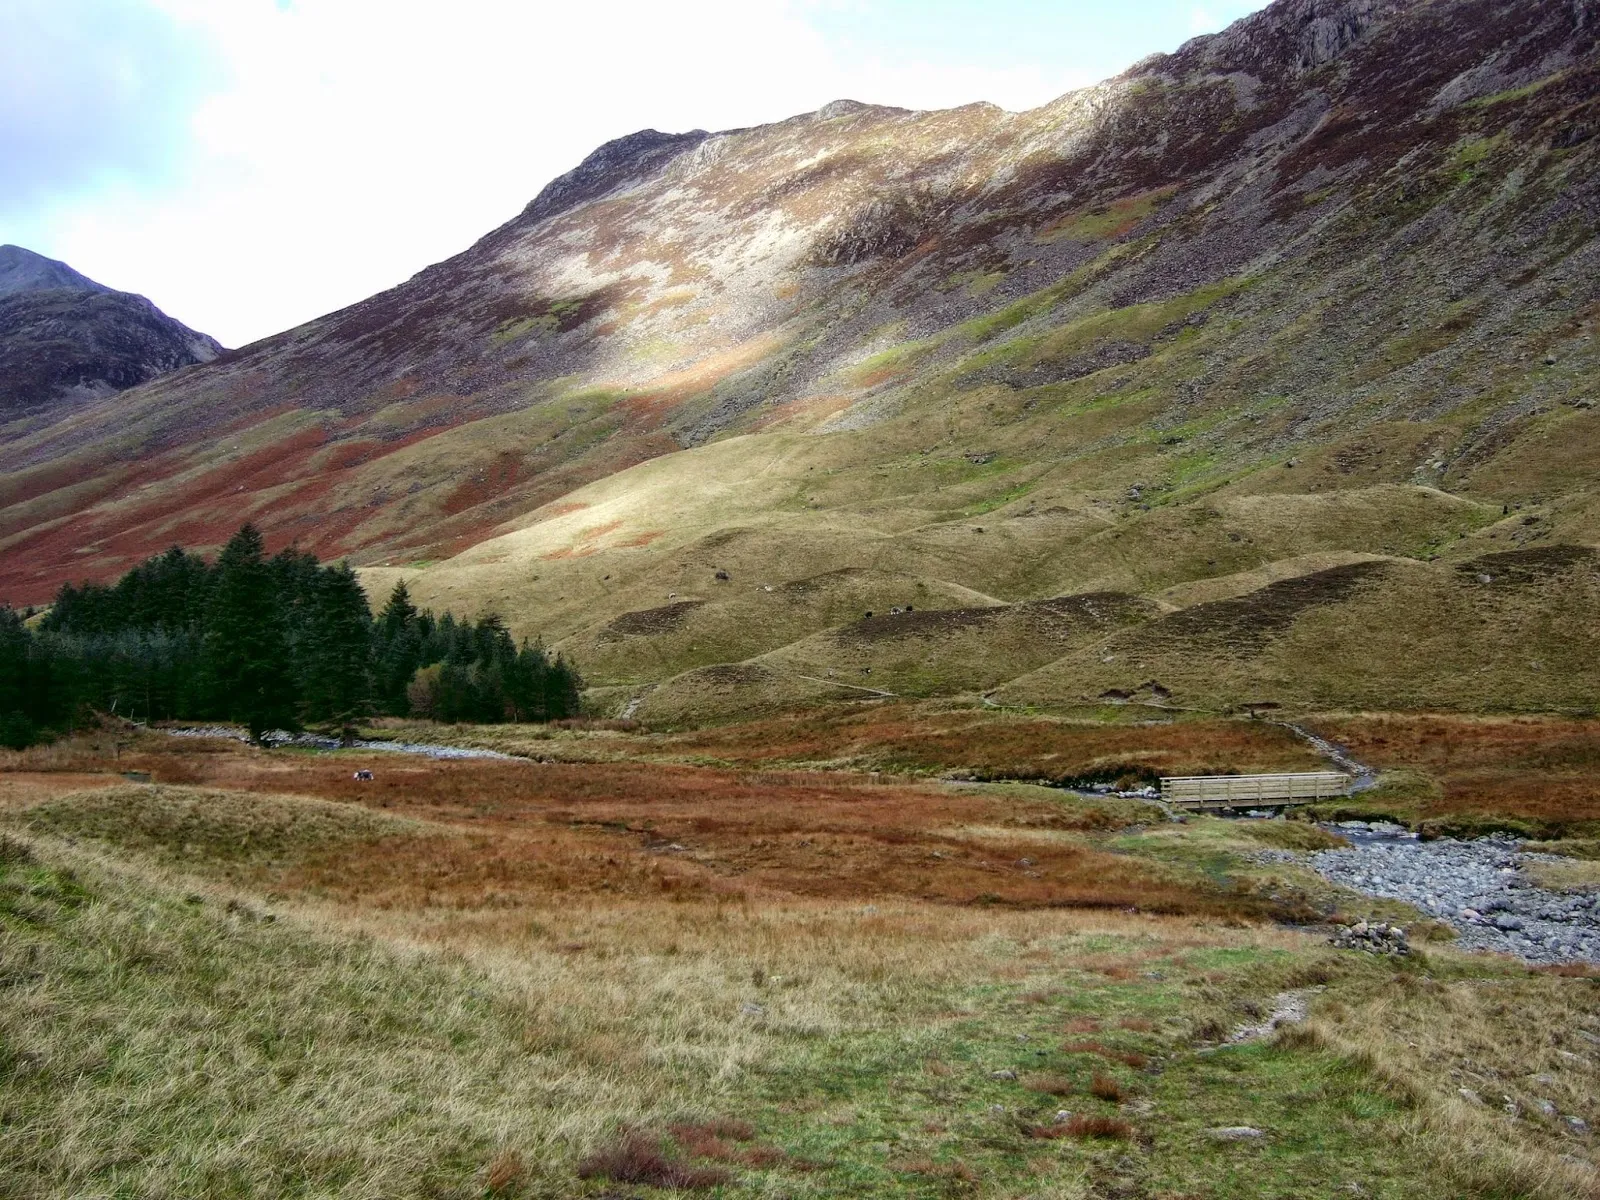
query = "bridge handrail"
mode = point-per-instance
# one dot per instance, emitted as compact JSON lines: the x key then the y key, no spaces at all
{"x":1280,"y":787}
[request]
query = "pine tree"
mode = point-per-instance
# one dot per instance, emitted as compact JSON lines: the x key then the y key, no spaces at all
{"x":399,"y":637}
{"x":246,"y":648}
{"x":336,"y":685}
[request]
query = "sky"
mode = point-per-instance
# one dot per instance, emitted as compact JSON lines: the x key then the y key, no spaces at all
{"x":251,"y":164}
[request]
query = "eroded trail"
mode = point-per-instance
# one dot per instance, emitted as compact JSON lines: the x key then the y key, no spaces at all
{"x":1364,"y":776}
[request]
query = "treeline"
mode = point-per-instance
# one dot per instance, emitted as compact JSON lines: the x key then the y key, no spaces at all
{"x":275,"y":642}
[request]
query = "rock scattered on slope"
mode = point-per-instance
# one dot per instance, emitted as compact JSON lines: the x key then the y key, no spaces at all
{"x":1374,"y":938}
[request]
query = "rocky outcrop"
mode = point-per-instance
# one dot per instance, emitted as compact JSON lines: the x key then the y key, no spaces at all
{"x":1295,"y":36}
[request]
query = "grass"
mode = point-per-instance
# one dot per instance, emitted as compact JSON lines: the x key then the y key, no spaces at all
{"x":212,"y":826}
{"x":158,"y":1043}
{"x":1107,"y":221}
{"x":521,"y":1008}
{"x":1511,"y":95}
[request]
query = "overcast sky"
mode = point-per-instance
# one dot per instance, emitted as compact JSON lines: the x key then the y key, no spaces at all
{"x":250,"y":164}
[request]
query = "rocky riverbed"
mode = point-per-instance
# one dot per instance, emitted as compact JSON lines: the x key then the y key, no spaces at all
{"x":316,"y":742}
{"x":1477,"y":887}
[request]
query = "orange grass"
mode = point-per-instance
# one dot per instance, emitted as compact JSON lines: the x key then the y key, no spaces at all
{"x":1543,"y":768}
{"x":510,"y":832}
{"x":907,"y":737}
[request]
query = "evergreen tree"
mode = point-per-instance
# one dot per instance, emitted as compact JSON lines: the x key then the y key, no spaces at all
{"x":399,"y":637}
{"x":337,"y":683}
{"x":17,"y":726}
{"x":246,"y":648}
{"x":263,"y":641}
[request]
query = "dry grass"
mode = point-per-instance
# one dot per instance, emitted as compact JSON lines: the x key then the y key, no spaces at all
{"x":1571,"y":875}
{"x":611,"y":984}
{"x":1083,"y":1125}
{"x":212,"y":827}
{"x":1515,"y":1042}
{"x":1537,"y":769}
{"x":907,"y":737}
{"x":1104,"y":1087}
{"x":636,"y":1157}
{"x":1128,"y":1058}
{"x":485,"y":834}
{"x":1051,"y":1085}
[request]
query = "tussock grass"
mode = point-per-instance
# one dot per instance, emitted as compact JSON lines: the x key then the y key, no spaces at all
{"x":153,"y":1046}
{"x":1511,"y":1040}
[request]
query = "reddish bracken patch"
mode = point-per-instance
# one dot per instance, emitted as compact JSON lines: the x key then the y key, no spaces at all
{"x":1127,"y":1058}
{"x":636,"y":1157}
{"x":1081,"y":1126}
{"x":495,"y":478}
{"x":642,"y":539}
{"x":511,"y":833}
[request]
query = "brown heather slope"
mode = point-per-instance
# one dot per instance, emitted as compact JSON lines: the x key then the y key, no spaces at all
{"x":1317,"y":291}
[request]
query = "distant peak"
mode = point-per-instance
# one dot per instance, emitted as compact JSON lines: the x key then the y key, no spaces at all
{"x":21,"y":270}
{"x":613,"y":164}
{"x":1297,"y":35}
{"x":848,"y":108}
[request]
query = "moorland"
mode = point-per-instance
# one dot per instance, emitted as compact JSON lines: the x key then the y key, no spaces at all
{"x":864,"y":951}
{"x":904,"y":486}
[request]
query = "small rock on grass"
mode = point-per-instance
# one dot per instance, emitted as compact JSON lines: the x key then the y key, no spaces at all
{"x":1236,"y":1133}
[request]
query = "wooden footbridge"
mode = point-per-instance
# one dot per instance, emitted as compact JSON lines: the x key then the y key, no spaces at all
{"x":1252,"y":791}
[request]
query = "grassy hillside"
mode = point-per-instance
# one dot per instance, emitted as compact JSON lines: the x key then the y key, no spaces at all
{"x":1285,"y":299}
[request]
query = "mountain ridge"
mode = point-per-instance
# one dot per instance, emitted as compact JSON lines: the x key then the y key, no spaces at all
{"x":1321,"y":284}
{"x":21,"y":270}
{"x":66,"y":339}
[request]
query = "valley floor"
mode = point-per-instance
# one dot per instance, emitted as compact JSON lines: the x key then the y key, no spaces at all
{"x":842,"y":954}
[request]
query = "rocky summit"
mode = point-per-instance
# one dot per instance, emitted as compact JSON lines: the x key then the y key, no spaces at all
{"x":66,"y":340}
{"x":1263,"y":373}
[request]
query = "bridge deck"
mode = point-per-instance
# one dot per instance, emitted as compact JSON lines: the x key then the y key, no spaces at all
{"x":1266,"y":791}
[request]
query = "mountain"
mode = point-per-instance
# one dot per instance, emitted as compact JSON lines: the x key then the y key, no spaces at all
{"x":65,"y":339}
{"x":24,"y":271}
{"x":1286,"y":334}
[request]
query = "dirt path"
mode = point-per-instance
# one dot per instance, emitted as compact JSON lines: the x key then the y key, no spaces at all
{"x":1364,"y":776}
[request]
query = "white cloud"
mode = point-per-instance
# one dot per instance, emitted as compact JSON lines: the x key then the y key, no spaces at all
{"x":356,"y":141}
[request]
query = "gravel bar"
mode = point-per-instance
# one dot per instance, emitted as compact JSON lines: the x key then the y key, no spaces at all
{"x":1476,"y":887}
